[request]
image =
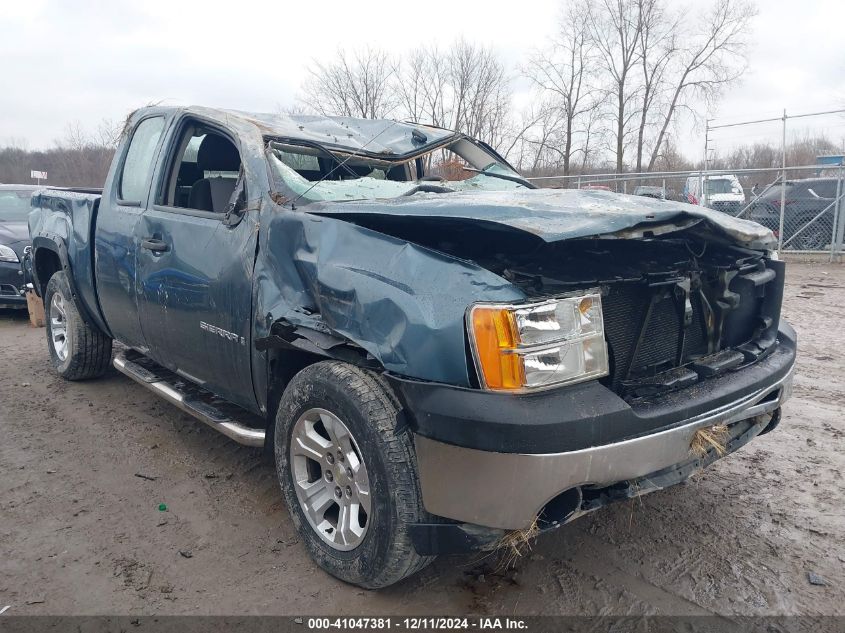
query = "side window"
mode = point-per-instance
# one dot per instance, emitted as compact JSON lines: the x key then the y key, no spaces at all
{"x":138,"y":166}
{"x":204,"y":173}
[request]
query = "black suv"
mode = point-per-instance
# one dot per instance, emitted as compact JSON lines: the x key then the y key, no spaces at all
{"x":804,"y":200}
{"x":14,"y":237}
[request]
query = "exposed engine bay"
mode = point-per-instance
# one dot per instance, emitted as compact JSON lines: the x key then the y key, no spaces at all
{"x":676,"y":310}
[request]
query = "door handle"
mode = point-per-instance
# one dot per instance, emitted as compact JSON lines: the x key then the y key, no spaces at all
{"x":157,"y":246}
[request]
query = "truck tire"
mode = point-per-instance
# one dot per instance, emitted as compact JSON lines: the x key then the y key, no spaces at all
{"x":336,"y":437}
{"x":77,"y":350}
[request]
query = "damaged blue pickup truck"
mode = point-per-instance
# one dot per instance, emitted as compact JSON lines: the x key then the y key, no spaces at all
{"x":436,"y":353}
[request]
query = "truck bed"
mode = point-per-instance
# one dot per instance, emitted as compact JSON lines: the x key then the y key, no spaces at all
{"x":67,"y":216}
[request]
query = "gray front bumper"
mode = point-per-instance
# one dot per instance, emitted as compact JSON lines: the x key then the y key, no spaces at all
{"x":508,"y":490}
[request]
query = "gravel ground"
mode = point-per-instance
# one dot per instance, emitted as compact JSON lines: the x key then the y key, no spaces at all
{"x":81,"y":533}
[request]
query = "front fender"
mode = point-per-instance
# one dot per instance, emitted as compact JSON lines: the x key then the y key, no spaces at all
{"x":402,"y":303}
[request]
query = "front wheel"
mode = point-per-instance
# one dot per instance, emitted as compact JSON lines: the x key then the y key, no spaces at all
{"x":77,"y":350}
{"x":348,"y":476}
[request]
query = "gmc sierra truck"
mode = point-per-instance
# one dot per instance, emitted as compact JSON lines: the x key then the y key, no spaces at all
{"x":437,"y":354}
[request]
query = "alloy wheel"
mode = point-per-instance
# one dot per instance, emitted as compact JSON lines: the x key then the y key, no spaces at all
{"x":58,"y":326}
{"x":330,"y":479}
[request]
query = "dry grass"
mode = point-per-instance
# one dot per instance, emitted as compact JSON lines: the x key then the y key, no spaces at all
{"x":513,"y":544}
{"x":714,"y":437}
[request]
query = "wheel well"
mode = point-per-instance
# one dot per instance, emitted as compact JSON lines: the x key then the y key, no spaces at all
{"x":47,"y":263}
{"x":283,"y":365}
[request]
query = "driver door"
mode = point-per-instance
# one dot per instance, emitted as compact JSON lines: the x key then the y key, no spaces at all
{"x":195,"y":265}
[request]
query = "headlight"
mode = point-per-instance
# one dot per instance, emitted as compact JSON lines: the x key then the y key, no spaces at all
{"x":7,"y":254}
{"x":560,"y":341}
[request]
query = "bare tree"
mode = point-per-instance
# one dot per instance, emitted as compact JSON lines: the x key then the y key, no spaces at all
{"x":79,"y":158}
{"x":590,"y":132}
{"x":621,"y":70}
{"x":708,"y":64}
{"x":480,"y":91}
{"x":464,"y":88}
{"x":615,"y":28}
{"x":75,"y":137}
{"x":413,"y":87}
{"x":657,"y":44}
{"x":536,"y":146}
{"x":609,"y":84}
{"x":353,"y":84}
{"x":108,"y":133}
{"x":562,"y":71}
{"x":421,"y":85}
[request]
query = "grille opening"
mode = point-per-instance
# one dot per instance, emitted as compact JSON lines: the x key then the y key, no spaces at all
{"x":651,"y":330}
{"x":668,"y":302}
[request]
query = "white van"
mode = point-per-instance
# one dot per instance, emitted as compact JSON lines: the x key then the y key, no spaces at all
{"x":721,"y":192}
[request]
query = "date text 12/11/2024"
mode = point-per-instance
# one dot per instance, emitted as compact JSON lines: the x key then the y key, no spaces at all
{"x":417,"y":623}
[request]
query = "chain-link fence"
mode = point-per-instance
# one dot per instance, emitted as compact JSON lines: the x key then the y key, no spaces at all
{"x":801,"y":205}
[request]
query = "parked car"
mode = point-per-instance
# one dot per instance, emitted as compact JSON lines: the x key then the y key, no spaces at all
{"x":434,"y":364}
{"x":648,"y":191}
{"x":14,"y":238}
{"x":720,"y":192}
{"x":809,"y":212}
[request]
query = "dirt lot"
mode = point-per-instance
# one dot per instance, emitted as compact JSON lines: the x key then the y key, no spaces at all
{"x":80,"y":533}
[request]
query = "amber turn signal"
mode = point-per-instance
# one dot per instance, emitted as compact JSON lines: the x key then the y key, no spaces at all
{"x":496,"y":339}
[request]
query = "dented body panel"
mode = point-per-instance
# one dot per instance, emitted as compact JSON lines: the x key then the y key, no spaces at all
{"x":239,"y":299}
{"x":381,"y":293}
{"x":555,"y":215}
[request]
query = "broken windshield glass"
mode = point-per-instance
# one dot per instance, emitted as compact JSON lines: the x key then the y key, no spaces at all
{"x":305,"y":174}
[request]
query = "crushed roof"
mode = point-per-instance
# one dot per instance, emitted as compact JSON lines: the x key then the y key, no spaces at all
{"x":374,"y":136}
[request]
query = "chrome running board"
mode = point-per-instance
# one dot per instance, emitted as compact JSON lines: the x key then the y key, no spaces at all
{"x":186,"y":399}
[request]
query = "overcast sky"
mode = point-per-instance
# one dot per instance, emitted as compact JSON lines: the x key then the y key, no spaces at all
{"x":83,"y":62}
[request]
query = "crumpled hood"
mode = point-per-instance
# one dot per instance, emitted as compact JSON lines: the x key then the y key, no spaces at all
{"x":561,"y":214}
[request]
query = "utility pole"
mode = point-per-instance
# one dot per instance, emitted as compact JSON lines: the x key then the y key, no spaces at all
{"x":782,"y":180}
{"x":703,"y":184}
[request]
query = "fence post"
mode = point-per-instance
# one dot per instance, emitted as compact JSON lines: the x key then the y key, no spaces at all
{"x":783,"y":181}
{"x":701,"y":199}
{"x":838,"y":220}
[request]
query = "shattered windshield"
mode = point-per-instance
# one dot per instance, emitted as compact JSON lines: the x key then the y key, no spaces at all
{"x":310,"y":174}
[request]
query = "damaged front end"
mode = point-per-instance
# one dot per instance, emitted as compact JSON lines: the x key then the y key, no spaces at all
{"x":683,"y":298}
{"x":677,"y":309}
{"x":688,"y":301}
